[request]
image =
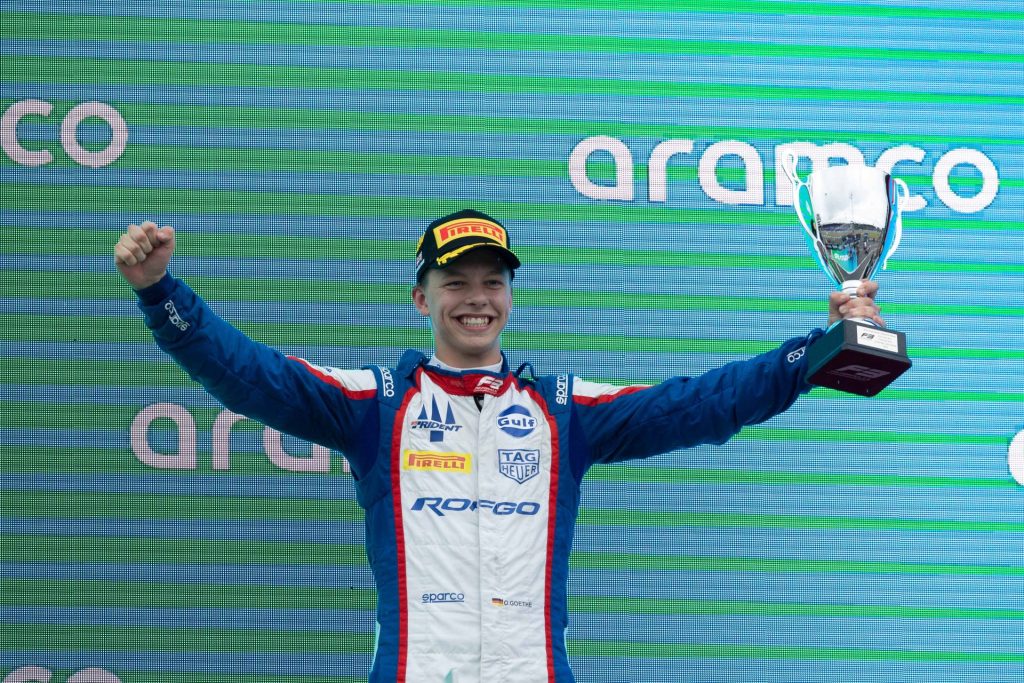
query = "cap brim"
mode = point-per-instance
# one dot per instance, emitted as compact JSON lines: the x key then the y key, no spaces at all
{"x":506,"y":254}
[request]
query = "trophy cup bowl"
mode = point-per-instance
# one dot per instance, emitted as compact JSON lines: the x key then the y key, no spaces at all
{"x":851,"y":216}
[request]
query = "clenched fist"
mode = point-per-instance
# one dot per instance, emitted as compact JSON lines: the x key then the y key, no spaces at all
{"x":143,"y":252}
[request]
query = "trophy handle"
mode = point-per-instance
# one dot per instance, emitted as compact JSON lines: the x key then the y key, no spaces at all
{"x":896,"y":226}
{"x":800,"y":191}
{"x":805,"y":213}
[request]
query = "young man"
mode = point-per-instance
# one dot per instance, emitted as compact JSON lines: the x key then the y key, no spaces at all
{"x":469,"y":473}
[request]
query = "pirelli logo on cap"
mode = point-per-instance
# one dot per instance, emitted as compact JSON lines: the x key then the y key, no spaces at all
{"x":430,"y":461}
{"x":461,"y":227}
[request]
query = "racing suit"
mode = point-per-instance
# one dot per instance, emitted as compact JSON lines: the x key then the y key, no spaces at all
{"x":470,"y":480}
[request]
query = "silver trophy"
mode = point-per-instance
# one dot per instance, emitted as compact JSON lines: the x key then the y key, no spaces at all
{"x":851,"y":218}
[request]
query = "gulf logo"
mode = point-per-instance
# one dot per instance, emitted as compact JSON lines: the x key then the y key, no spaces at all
{"x":517,"y":421}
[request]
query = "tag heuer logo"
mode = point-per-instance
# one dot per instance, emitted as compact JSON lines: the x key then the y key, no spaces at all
{"x":519,"y":465}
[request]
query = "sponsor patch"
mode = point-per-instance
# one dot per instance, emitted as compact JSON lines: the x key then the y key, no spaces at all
{"x":172,"y":315}
{"x":519,"y":465}
{"x":428,"y":461}
{"x":517,"y":421}
{"x":389,"y":383}
{"x":434,"y":422}
{"x":878,"y":339}
{"x":562,"y":390}
{"x":502,"y":602}
{"x":460,"y":227}
{"x":441,"y":506}
{"x":488,"y":385}
{"x":431,"y":598}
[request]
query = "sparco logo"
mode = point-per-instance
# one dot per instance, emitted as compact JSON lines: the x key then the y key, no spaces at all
{"x":429,"y":598}
{"x":389,"y":383}
{"x":172,"y":315}
{"x":439,"y":506}
{"x":562,"y":390}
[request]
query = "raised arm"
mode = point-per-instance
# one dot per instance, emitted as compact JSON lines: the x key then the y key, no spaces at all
{"x":335,"y":408}
{"x":634,"y":422}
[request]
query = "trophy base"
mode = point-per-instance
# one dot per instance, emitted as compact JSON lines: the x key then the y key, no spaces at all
{"x":857,"y":358}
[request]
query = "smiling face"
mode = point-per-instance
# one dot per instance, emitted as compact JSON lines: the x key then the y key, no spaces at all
{"x":468,"y":304}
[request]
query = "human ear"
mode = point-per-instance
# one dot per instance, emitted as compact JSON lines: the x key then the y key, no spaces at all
{"x":419,"y":300}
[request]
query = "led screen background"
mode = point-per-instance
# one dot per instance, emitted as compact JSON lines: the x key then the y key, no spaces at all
{"x":300,"y":148}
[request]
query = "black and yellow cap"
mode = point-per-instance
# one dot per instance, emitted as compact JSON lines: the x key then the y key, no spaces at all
{"x":448,"y":238}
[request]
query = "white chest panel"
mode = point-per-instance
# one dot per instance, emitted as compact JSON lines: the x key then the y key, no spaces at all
{"x":475,"y":498}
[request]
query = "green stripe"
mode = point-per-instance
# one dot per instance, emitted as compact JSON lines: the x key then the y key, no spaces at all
{"x":97,"y":242}
{"x":653,"y":650}
{"x":666,"y":606}
{"x":648,"y":474}
{"x":141,"y":639}
{"x":81,"y":459}
{"x":231,"y":159}
{"x":148,"y":201}
{"x":104,"y":549}
{"x":91,"y":460}
{"x":130,"y":72}
{"x":30,"y":284}
{"x":27,"y":637}
{"x":145,"y":506}
{"x":339,"y":120}
{"x":82,"y":329}
{"x":138,"y":594}
{"x":634,"y":518}
{"x":40,"y":26}
{"x":636,"y":562}
{"x":138,"y":673}
{"x":135,"y":594}
{"x":48,"y":414}
{"x":139,"y":506}
{"x":135,"y":374}
{"x":869,"y":436}
{"x":756,"y":7}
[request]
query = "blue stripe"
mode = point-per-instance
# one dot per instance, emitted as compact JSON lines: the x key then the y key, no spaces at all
{"x":223,"y":484}
{"x":922,"y":634}
{"x":801,"y":456}
{"x":209,"y":572}
{"x":627,"y":367}
{"x":605,"y":669}
{"x":192,"y":660}
{"x":989,"y":548}
{"x":348,"y":185}
{"x":263,"y":530}
{"x":909,"y":589}
{"x":915,"y":118}
{"x":937,"y":34}
{"x":325,"y":620}
{"x":770,"y":72}
{"x":934,"y":635}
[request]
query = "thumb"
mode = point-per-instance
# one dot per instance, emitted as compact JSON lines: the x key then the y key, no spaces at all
{"x":165,"y":234}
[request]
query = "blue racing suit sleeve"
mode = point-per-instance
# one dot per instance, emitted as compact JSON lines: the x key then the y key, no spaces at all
{"x":323,"y":406}
{"x":621,"y":423}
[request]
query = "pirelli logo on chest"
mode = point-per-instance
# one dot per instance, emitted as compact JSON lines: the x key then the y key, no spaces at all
{"x":430,"y":461}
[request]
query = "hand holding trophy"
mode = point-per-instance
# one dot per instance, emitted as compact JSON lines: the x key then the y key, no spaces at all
{"x":851,"y":218}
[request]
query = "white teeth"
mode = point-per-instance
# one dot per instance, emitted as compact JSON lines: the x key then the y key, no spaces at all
{"x":474,"y":322}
